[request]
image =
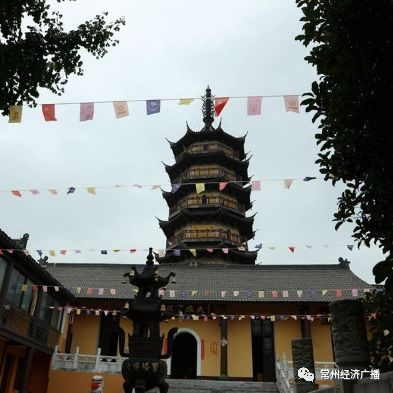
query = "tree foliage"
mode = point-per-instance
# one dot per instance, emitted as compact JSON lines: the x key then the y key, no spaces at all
{"x":380,"y":304}
{"x":36,"y":52}
{"x":350,"y":46}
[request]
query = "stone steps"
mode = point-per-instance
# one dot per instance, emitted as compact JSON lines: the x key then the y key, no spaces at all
{"x":209,"y":386}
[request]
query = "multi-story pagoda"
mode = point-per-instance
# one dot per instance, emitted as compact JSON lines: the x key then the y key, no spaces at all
{"x":209,"y":222}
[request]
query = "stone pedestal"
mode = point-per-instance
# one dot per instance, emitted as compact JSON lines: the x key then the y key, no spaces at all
{"x":349,"y":339}
{"x":303,"y":357}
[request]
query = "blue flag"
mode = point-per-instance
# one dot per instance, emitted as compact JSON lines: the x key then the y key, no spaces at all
{"x":350,"y":247}
{"x":176,"y":253}
{"x":175,"y":187}
{"x":153,"y":106}
{"x":71,"y":190}
{"x":258,"y":246}
{"x":104,"y":252}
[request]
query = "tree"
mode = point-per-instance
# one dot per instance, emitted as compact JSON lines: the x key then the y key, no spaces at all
{"x":380,"y":305}
{"x":351,"y":43}
{"x":36,"y":52}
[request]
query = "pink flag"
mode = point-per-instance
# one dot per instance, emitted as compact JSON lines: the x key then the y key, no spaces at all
{"x":16,"y":193}
{"x":209,"y":249}
{"x":256,"y":185}
{"x":89,"y":291}
{"x":274,"y":294}
{"x":355,"y":292}
{"x":101,"y":291}
{"x":291,"y":103}
{"x":48,"y":110}
{"x":121,"y":109}
{"x":339,"y":293}
{"x":225,"y":250}
{"x":34,"y":192}
{"x":284,"y":293}
{"x":63,"y":252}
{"x":254,"y":106}
{"x":219,"y":104}
{"x":86,"y":111}
{"x":222,"y":185}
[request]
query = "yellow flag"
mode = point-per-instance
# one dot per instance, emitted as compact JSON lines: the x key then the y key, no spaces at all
{"x":272,"y":318}
{"x":91,"y":190}
{"x":200,"y":187}
{"x":261,"y":294}
{"x":15,"y":115}
{"x":52,"y":253}
{"x":24,"y":288}
{"x":193,"y":251}
{"x":185,"y":101}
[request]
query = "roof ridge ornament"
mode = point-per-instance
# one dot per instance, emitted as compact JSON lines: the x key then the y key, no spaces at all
{"x":208,"y":109}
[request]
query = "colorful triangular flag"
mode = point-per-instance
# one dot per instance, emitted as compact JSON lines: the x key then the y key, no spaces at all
{"x":48,"y":110}
{"x":256,"y":185}
{"x":291,"y":103}
{"x":86,"y":111}
{"x":15,"y":114}
{"x":287,"y":183}
{"x":185,"y":101}
{"x":222,"y":185}
{"x":91,"y":190}
{"x":254,"y":106}
{"x":121,"y":109}
{"x":219,"y":104}
{"x":291,"y":249}
{"x":153,"y":106}
{"x":200,"y":187}
{"x":16,"y":193}
{"x":71,"y":190}
{"x":308,"y":178}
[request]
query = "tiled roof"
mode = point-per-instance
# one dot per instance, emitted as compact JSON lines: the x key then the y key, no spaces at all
{"x":29,"y":263}
{"x":210,"y":281}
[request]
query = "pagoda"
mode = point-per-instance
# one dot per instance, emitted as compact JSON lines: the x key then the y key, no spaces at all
{"x":209,"y":198}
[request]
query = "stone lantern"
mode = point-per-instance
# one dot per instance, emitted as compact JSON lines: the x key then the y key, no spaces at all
{"x":144,"y":368}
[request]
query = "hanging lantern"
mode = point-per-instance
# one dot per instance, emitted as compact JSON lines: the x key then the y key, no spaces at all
{"x":126,"y":306}
{"x":163,"y":308}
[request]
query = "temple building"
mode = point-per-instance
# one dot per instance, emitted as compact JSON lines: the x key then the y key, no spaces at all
{"x":209,"y":198}
{"x":234,"y":318}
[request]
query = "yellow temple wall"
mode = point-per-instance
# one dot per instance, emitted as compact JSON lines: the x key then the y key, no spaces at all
{"x":86,"y":329}
{"x":239,"y":349}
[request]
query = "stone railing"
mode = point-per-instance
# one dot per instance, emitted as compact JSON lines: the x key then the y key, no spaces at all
{"x":77,"y":362}
{"x":207,"y":234}
{"x":208,"y":173}
{"x":201,"y":148}
{"x":209,"y":201}
{"x":285,"y":377}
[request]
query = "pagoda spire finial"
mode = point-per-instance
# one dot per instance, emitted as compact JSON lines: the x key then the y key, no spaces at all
{"x":208,"y":108}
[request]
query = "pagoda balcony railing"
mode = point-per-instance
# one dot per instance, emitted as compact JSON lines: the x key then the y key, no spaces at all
{"x":203,"y":148}
{"x":210,"y":172}
{"x":209,"y":201}
{"x":190,"y":235}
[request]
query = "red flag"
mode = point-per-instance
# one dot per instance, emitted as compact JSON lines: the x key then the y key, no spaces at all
{"x":48,"y":111}
{"x":219,"y":104}
{"x":339,"y":293}
{"x":254,"y":106}
{"x":222,"y":185}
{"x":16,"y":193}
{"x":292,"y":249}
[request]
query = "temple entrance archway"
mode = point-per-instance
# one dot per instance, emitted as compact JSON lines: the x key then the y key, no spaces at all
{"x":185,"y":360}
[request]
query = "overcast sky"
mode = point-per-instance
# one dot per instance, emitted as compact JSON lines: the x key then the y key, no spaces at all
{"x":173,"y":49}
